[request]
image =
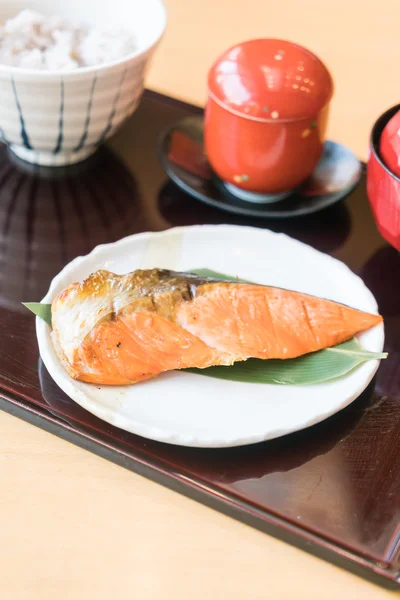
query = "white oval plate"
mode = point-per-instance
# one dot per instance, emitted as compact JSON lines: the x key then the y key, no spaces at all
{"x":193,"y":410}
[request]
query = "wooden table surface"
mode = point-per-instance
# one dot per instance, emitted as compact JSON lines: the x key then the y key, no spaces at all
{"x":76,"y":526}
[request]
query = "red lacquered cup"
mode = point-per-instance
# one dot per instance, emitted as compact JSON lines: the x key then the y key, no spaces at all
{"x":383,"y":186}
{"x":266,"y":115}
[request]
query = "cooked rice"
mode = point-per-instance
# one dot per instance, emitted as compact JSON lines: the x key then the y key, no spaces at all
{"x":35,"y":41}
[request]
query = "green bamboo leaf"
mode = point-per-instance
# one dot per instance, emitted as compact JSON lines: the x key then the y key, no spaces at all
{"x":40,"y":310}
{"x":316,"y":367}
{"x":208,"y":273}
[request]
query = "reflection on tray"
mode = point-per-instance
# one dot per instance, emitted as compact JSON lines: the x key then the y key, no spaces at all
{"x":326,"y":231}
{"x":47,"y":217}
{"x":382,"y":275}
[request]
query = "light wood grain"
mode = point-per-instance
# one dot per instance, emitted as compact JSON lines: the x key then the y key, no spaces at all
{"x":358,"y":41}
{"x":74,"y":526}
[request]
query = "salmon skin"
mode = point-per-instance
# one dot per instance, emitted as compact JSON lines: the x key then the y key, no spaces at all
{"x":121,"y":329}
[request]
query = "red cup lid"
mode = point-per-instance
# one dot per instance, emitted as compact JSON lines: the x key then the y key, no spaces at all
{"x":269,"y":80}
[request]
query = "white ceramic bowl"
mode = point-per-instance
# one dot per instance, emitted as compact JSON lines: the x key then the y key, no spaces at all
{"x":58,"y":118}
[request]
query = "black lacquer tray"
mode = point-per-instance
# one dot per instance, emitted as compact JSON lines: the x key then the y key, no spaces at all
{"x":333,"y":489}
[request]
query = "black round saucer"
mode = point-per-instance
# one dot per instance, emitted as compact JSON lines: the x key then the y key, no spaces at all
{"x":182,"y":156}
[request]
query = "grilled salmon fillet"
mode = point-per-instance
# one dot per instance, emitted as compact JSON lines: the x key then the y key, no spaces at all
{"x":121,"y":329}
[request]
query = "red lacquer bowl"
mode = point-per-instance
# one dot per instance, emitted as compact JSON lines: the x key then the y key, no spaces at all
{"x":383,"y":186}
{"x":266,"y":115}
{"x":389,"y":144}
